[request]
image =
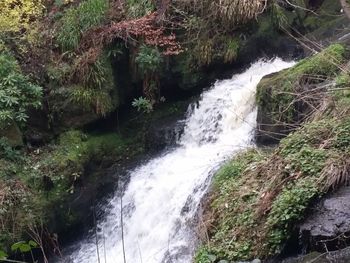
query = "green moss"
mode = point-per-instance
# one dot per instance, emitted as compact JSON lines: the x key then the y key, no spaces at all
{"x":235,"y":167}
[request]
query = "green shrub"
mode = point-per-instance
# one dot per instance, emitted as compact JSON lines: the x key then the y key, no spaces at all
{"x":231,"y":50}
{"x":87,"y":98}
{"x":288,"y":208}
{"x":148,"y":59}
{"x":17,"y":93}
{"x":204,"y":256}
{"x":96,"y":89}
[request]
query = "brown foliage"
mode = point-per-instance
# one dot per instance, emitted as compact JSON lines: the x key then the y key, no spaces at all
{"x":335,"y":174}
{"x":144,"y":29}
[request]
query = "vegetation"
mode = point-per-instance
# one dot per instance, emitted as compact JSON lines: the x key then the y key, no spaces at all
{"x":290,"y":96}
{"x":19,"y":17}
{"x":76,"y":21}
{"x":68,"y":65}
{"x":33,"y":185}
{"x":17,"y":93}
{"x":259,"y":196}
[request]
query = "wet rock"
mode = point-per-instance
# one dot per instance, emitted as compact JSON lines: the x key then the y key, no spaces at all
{"x":163,"y":133}
{"x":327,"y":227}
{"x":339,"y":256}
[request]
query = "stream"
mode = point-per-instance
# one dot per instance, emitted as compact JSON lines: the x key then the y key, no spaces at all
{"x":160,"y":203}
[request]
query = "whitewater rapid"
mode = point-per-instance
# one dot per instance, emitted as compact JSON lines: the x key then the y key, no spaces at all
{"x":163,"y":195}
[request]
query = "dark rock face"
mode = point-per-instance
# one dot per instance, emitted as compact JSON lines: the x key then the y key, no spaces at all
{"x":163,"y":133}
{"x":329,"y":224}
{"x":340,"y":256}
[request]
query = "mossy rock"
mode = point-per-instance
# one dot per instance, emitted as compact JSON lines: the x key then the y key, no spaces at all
{"x":280,"y":97}
{"x":13,"y":134}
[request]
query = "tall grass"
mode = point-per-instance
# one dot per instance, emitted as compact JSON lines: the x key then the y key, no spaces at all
{"x":77,"y":20}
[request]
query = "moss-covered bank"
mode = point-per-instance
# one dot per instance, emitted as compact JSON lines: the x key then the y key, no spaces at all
{"x":258,"y":197}
{"x":288,"y":98}
{"x":38,"y":187}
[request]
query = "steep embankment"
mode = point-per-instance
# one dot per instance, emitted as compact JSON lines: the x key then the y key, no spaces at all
{"x":258,"y":198}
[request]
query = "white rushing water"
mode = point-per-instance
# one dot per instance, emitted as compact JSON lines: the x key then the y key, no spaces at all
{"x":163,"y":195}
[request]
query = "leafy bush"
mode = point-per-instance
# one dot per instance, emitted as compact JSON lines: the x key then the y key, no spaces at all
{"x":142,"y":104}
{"x":148,"y":59}
{"x":77,"y":20}
{"x":96,"y":88}
{"x":15,"y":17}
{"x":17,"y":94}
{"x":99,"y":100}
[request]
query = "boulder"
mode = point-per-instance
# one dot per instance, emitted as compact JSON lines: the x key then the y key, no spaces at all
{"x":328,"y":225}
{"x":163,"y":133}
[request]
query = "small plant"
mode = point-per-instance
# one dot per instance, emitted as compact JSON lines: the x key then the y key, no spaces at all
{"x":7,"y":152}
{"x":142,"y":104}
{"x":231,"y":51}
{"x":148,"y":59}
{"x":288,"y":208}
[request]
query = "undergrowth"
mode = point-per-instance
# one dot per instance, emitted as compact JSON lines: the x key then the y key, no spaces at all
{"x":258,"y":197}
{"x":34,"y":186}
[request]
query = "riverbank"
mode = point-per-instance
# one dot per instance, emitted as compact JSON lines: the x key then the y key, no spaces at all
{"x":259,"y":198}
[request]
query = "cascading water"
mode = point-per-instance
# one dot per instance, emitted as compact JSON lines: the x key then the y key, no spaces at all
{"x":163,"y":195}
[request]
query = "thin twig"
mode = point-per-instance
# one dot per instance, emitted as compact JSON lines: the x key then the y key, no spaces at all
{"x":122,"y":226}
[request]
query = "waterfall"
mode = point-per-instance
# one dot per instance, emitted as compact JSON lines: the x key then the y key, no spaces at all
{"x":162,"y":198}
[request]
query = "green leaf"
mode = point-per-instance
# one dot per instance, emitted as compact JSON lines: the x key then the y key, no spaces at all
{"x":16,"y":246}
{"x":21,"y":246}
{"x":25,"y":248}
{"x":3,"y":255}
{"x":32,"y":244}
